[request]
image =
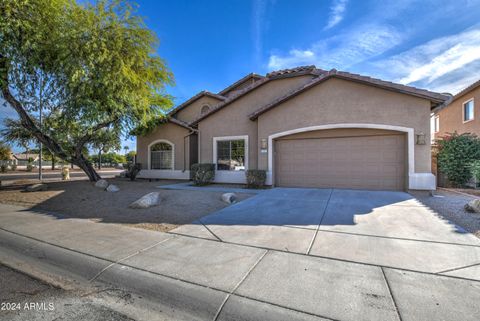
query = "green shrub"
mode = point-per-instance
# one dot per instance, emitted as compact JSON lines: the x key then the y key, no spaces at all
{"x":29,"y":167}
{"x":13,"y":167}
{"x":202,"y":174}
{"x":3,"y":168}
{"x":133,"y":170}
{"x":456,"y":153}
{"x":256,"y":178}
{"x":475,"y":170}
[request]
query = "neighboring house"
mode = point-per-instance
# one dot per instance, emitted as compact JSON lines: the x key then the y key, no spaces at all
{"x":26,"y":156}
{"x":461,"y":114}
{"x":306,"y":127}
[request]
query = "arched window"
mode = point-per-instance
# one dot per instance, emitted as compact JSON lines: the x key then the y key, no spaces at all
{"x":161,"y":156}
{"x":205,"y":109}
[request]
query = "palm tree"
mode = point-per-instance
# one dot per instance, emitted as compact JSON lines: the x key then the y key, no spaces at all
{"x":15,"y":132}
{"x":126,"y":148}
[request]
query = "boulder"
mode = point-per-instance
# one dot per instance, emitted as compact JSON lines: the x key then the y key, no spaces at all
{"x":112,"y":188}
{"x":36,"y":188}
{"x":146,"y":201}
{"x":103,"y":184}
{"x":473,"y":206}
{"x":229,"y":198}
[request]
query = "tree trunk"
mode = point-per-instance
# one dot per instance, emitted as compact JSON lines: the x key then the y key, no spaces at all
{"x":87,"y":168}
{"x":53,"y":163}
{"x":99,"y":159}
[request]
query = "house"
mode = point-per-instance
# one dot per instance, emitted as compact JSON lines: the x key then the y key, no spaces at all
{"x":26,"y":156}
{"x":306,"y":127}
{"x":461,"y":114}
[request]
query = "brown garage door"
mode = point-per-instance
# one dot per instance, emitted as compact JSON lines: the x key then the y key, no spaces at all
{"x":360,"y":162}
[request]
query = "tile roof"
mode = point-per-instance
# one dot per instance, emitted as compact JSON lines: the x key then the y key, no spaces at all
{"x":240,"y":81}
{"x":466,"y":90}
{"x":181,"y":123}
{"x":303,"y":70}
{"x":432,"y":96}
{"x":292,"y":71}
{"x":194,"y":98}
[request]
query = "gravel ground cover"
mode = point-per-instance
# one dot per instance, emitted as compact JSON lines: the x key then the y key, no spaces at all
{"x":80,"y":199}
{"x":450,"y":206}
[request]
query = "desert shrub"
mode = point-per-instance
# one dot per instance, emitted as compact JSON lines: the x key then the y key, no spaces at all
{"x":3,"y":168}
{"x":475,"y":170}
{"x":13,"y":167}
{"x":29,"y":167}
{"x":256,"y":178}
{"x":202,"y":174}
{"x":133,"y":170}
{"x":456,"y":153}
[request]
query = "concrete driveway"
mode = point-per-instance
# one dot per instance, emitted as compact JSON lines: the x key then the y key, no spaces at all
{"x":390,"y":229}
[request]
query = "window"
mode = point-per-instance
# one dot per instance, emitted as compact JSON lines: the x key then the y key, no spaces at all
{"x":468,"y":111}
{"x":161,"y":156}
{"x":436,"y":124}
{"x":231,"y":155}
{"x":204,"y":109}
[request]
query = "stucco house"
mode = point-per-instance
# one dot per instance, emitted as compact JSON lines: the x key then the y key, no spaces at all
{"x":306,"y":127}
{"x":459,"y":114}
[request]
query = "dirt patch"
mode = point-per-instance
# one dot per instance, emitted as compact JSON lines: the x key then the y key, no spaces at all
{"x":79,"y":199}
{"x":474,"y":192}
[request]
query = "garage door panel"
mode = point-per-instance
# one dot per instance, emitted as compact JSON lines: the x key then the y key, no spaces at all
{"x":364,"y":162}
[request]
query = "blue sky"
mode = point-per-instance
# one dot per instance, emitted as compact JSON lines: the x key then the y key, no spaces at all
{"x":210,"y":44}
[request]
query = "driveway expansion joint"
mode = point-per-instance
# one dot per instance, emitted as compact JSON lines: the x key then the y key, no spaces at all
{"x":391,"y":294}
{"x":458,"y":268}
{"x":211,"y":232}
{"x":220,"y":308}
{"x":129,"y":256}
{"x":320,"y":223}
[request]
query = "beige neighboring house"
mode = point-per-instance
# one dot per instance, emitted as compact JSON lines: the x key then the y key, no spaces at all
{"x":26,"y":156}
{"x":306,"y":127}
{"x":461,"y":114}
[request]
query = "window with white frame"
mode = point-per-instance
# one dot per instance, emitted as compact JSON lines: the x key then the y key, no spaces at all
{"x":436,"y":124}
{"x":161,"y":156}
{"x":468,"y":112}
{"x":231,"y":155}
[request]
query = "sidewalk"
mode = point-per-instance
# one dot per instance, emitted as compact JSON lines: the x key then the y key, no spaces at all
{"x":199,"y":279}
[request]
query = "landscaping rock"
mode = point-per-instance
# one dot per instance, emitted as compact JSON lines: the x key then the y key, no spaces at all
{"x":101,"y":184}
{"x":473,"y":206}
{"x":112,"y":188}
{"x":146,"y":201}
{"x":229,"y":198}
{"x":36,"y":188}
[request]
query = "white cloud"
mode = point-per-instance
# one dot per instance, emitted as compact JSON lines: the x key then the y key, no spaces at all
{"x":438,"y":64}
{"x":343,"y":50}
{"x":259,"y":23}
{"x":337,"y":12}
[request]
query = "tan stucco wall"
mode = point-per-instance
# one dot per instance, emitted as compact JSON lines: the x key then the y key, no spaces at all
{"x":192,"y":111}
{"x":340,"y":132}
{"x":451,"y":117}
{"x":171,"y":132}
{"x":341,"y":101}
{"x":233,"y":119}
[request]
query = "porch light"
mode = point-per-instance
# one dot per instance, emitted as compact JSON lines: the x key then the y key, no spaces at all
{"x":421,"y":138}
{"x":263,"y":144}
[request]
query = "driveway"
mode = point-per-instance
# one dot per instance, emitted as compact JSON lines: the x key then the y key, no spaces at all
{"x":390,"y":229}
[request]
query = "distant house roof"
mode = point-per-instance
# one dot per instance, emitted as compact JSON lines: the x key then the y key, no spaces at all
{"x":193,"y":99}
{"x":26,"y":157}
{"x":435,"y":98}
{"x":466,"y":90}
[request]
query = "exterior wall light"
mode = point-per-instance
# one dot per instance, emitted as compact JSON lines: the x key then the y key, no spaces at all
{"x":263,"y":144}
{"x":421,"y":138}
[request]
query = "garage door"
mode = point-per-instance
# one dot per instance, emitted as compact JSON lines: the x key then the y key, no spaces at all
{"x":359,"y":162}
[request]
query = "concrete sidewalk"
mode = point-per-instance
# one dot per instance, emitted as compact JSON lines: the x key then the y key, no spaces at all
{"x":203,"y":279}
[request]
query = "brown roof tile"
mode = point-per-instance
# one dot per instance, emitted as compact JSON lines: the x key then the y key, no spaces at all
{"x":194,"y":98}
{"x":240,"y":81}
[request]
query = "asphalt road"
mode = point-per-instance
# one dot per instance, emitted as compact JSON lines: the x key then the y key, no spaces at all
{"x":25,"y":298}
{"x":54,"y":175}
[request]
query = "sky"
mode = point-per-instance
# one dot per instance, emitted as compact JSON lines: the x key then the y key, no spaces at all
{"x":431,"y":44}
